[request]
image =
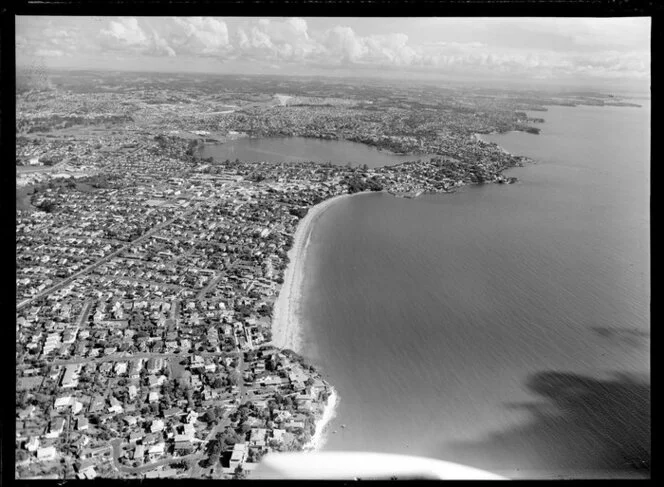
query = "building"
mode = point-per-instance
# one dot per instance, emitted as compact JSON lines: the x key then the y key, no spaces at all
{"x":239,"y":455}
{"x":70,"y":376}
{"x":156,"y":426}
{"x":257,"y":437}
{"x":33,"y":444}
{"x":47,"y":453}
{"x":82,"y":424}
{"x":63,"y":402}
{"x":139,"y":453}
{"x":57,"y":426}
{"x":183,"y":446}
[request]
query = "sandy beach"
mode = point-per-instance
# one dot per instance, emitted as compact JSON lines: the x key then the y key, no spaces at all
{"x":286,"y":326}
{"x":286,"y":320}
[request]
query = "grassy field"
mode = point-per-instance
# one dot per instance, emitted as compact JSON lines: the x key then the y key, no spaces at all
{"x":31,"y":169}
{"x":23,"y":199}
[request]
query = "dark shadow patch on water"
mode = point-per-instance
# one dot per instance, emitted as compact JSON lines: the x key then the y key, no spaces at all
{"x":582,"y":427}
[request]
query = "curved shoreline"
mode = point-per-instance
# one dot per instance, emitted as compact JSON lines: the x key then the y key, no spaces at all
{"x":286,"y":325}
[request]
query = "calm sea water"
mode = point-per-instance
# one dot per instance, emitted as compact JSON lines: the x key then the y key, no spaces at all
{"x":285,"y":149}
{"x":503,"y":327}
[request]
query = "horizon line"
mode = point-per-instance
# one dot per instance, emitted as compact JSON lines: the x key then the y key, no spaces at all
{"x":433,"y":79}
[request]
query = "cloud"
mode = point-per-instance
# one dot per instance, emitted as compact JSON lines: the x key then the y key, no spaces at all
{"x":276,"y":40}
{"x":204,"y":36}
{"x":537,"y":48}
{"x":344,"y":46}
{"x":49,"y":53}
{"x":47,"y":40}
{"x":127,"y":34}
{"x":21,"y":42}
{"x":124,"y":33}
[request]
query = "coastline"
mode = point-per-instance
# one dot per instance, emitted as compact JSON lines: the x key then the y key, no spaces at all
{"x":329,"y":411}
{"x":479,"y":138}
{"x":286,"y":326}
{"x":286,"y":323}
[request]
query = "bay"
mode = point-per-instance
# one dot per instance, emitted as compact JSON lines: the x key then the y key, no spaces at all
{"x":503,"y":327}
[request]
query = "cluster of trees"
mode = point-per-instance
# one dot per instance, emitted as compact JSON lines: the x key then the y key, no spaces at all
{"x":193,"y":147}
{"x":265,"y":310}
{"x":299,"y":212}
{"x":357,"y":184}
{"x":182,"y":464}
{"x":59,"y":121}
{"x":241,"y":414}
{"x":52,"y":161}
{"x":174,"y":390}
{"x":243,"y":309}
{"x":47,"y":205}
{"x":257,"y":177}
{"x":213,"y":415}
{"x":102,"y":181}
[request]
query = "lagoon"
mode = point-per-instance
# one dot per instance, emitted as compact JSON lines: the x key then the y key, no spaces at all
{"x":302,"y":149}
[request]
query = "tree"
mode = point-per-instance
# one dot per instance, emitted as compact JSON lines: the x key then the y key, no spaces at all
{"x":234,"y":377}
{"x":240,"y":473}
{"x":210,"y":416}
{"x":21,"y":399}
{"x":229,"y":437}
{"x":288,"y":402}
{"x":47,"y":206}
{"x":298,"y":212}
{"x":21,"y":455}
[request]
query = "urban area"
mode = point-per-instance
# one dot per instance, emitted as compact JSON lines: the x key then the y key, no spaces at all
{"x":146,"y":274}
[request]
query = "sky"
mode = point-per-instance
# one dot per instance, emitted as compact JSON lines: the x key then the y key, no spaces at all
{"x":566,"y":51}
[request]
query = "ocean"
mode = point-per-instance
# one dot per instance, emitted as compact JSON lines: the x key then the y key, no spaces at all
{"x":505,"y":327}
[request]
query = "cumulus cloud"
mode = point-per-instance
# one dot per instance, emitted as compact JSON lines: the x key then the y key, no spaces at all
{"x":127,"y":34}
{"x":204,"y":36}
{"x":391,"y":49}
{"x":283,"y":40}
{"x":47,"y":41}
{"x":342,"y":45}
{"x":124,"y":33}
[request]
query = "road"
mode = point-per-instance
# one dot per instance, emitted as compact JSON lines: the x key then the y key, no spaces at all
{"x":196,"y":468}
{"x":125,"y":358}
{"x":242,"y":368}
{"x":165,"y":285}
{"x":213,"y":282}
{"x":84,"y":313}
{"x":103,"y":260}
